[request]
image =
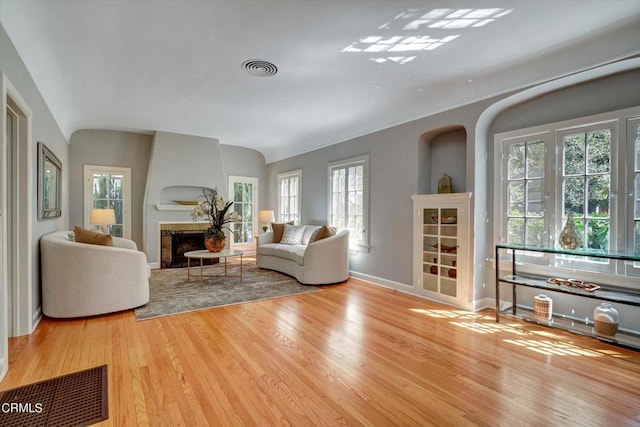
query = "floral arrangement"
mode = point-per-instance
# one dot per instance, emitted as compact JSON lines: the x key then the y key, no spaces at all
{"x":215,"y":209}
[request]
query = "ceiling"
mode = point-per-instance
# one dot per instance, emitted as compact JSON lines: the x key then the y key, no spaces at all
{"x":345,"y":67}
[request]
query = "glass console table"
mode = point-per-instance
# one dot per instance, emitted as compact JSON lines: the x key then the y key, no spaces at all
{"x":604,"y":293}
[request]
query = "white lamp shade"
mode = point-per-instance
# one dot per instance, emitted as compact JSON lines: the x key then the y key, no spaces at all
{"x":266,"y":216}
{"x":103,"y":216}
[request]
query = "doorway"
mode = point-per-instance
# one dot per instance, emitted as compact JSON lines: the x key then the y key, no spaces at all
{"x":16,"y":258}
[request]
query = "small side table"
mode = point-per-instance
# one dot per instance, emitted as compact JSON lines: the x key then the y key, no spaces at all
{"x":204,"y":254}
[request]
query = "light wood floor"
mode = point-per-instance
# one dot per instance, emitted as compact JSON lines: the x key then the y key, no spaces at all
{"x":352,"y":354}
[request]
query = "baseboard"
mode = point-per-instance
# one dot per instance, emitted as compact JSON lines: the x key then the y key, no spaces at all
{"x":408,"y":289}
{"x":3,"y":368}
{"x":36,"y":318}
{"x":154,"y":265}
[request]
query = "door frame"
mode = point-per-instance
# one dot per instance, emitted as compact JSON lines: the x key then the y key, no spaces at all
{"x":22,"y":250}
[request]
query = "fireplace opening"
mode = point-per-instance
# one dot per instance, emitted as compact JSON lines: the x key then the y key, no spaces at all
{"x":181,"y":241}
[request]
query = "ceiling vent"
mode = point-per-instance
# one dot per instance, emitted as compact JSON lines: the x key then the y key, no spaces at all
{"x":259,"y":68}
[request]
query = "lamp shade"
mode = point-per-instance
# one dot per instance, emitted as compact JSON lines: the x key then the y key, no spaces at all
{"x":266,"y":216}
{"x":103,"y":216}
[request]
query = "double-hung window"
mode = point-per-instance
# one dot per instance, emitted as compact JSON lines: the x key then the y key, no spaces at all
{"x":289,"y":195}
{"x":348,"y":204}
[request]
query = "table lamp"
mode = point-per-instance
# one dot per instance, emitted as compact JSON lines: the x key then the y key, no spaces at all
{"x":265,"y":217}
{"x":102,"y":218}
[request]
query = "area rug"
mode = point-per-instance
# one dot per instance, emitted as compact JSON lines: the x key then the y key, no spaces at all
{"x":77,"y":399}
{"x":170,"y":293}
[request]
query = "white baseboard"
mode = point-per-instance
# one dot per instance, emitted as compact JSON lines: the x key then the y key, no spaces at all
{"x":154,"y":265}
{"x":3,"y":368}
{"x":36,"y":318}
{"x":483,"y":303}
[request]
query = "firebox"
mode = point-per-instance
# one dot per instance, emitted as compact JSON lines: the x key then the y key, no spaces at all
{"x":176,"y":242}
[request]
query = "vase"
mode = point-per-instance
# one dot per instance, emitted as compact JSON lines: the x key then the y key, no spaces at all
{"x":215,"y":243}
{"x":569,"y":238}
{"x":542,"y":308}
{"x":606,"y":319}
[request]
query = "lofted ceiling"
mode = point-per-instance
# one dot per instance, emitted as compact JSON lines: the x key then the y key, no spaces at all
{"x":344,"y":67}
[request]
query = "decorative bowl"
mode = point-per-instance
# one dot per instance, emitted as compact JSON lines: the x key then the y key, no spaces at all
{"x":449,"y":219}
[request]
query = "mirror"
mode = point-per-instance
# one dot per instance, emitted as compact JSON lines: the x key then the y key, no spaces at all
{"x":49,"y":183}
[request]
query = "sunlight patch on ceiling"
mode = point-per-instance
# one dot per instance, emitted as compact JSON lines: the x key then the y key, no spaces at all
{"x":386,"y":48}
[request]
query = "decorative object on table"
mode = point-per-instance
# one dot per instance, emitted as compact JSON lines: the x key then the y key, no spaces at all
{"x":573,"y":283}
{"x":445,"y":248}
{"x":444,"y":184}
{"x":449,"y":219}
{"x":452,"y":273}
{"x":569,"y":237}
{"x":433,"y":269}
{"x":103,"y":218}
{"x":266,"y":217}
{"x":215,"y":209}
{"x":606,"y":320}
{"x":542,"y":308}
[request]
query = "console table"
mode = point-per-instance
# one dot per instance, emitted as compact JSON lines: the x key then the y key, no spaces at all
{"x":605,"y":293}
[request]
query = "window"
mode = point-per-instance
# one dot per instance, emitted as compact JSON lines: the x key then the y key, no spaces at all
{"x":108,"y":187}
{"x":243,"y":192}
{"x":525,"y":187}
{"x":349,"y":199}
{"x":289,"y":194}
{"x":585,"y":166}
{"x":586,"y":183}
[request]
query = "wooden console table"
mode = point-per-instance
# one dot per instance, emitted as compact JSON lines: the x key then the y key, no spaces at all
{"x":605,"y":293}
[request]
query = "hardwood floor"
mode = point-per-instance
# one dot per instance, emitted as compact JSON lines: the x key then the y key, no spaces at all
{"x":353,"y":354}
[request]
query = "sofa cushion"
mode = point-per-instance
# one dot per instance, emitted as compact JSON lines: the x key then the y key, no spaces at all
{"x":322,"y":233}
{"x":294,"y":253}
{"x":278,"y":229}
{"x":292,"y":234}
{"x":82,"y":235}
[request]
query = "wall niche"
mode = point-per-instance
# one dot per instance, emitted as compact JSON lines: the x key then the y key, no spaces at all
{"x":442,"y":150}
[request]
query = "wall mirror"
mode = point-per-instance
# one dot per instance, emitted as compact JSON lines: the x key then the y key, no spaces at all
{"x":49,"y":183}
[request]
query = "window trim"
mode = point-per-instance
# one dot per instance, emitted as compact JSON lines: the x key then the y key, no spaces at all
{"x":363,"y":160}
{"x":281,"y":177}
{"x":89,"y":170}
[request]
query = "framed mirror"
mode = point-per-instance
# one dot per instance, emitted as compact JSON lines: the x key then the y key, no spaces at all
{"x":49,"y":183}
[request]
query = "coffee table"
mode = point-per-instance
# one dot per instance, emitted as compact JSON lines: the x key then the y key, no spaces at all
{"x":203,"y":254}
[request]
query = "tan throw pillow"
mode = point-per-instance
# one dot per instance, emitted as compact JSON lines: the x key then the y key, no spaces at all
{"x":83,"y":235}
{"x":322,"y":233}
{"x":278,"y":229}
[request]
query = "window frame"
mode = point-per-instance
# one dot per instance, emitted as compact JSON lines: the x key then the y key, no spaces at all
{"x":89,"y":170}
{"x":233,"y":179}
{"x":361,"y":246}
{"x":282,"y":177}
{"x":621,"y":123}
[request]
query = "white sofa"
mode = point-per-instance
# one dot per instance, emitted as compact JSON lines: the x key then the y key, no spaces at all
{"x":324,"y":261}
{"x":81,"y":279}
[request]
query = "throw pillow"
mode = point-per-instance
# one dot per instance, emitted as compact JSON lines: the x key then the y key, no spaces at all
{"x":83,"y":235}
{"x":278,"y":229}
{"x":292,"y":234}
{"x":322,"y":233}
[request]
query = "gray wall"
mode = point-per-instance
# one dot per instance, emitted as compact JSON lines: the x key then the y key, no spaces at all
{"x":241,"y":161}
{"x":44,"y":128}
{"x":394,"y":156}
{"x":109,"y":148}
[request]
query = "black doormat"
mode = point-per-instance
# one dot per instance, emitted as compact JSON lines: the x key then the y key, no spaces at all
{"x":77,"y":399}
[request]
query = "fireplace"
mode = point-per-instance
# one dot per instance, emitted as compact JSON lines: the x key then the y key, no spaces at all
{"x":176,"y":239}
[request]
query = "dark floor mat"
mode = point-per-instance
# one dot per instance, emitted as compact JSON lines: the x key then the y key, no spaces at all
{"x":77,"y":399}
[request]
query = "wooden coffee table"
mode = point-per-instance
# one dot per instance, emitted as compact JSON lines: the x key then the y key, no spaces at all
{"x":203,"y":254}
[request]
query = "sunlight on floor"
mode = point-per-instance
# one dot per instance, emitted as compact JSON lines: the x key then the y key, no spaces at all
{"x":543,"y":340}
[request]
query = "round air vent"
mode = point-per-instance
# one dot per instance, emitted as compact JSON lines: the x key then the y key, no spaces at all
{"x":259,"y":68}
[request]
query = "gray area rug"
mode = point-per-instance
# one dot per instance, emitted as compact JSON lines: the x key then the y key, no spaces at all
{"x":170,"y":293}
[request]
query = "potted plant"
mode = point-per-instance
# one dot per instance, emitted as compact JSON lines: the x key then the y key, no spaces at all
{"x":215,"y":209}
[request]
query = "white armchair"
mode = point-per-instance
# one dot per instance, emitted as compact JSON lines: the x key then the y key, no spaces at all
{"x":80,"y":279}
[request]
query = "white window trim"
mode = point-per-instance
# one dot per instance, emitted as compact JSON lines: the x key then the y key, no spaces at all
{"x":89,"y":170}
{"x":621,"y":196}
{"x":280,"y":178}
{"x":363,"y":160}
{"x":254,"y":211}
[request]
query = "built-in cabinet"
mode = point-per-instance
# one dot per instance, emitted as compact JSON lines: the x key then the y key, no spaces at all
{"x":442,"y":248}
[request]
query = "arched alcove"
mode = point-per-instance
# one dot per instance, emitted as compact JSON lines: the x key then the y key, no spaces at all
{"x":442,"y":150}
